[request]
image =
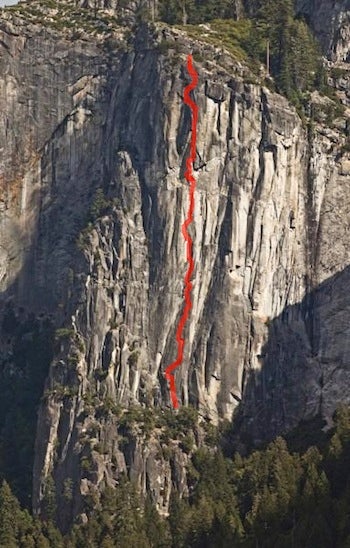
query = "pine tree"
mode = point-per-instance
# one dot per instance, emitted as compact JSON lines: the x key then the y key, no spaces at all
{"x":180,"y":518}
{"x":9,"y":517}
{"x":177,"y":11}
{"x":156,"y":529}
{"x":49,"y":501}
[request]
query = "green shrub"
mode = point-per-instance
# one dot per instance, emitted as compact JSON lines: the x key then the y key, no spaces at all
{"x":73,"y":360}
{"x":133,"y":358}
{"x":64,"y":333}
{"x":101,"y":374}
{"x":68,"y":490}
{"x":83,"y":240}
{"x":187,"y":443}
{"x":99,"y":205}
{"x":86,"y":464}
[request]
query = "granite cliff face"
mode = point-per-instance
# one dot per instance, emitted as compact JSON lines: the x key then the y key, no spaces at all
{"x":331,"y":22}
{"x":94,"y":135}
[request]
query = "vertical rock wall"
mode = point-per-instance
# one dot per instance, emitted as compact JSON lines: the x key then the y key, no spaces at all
{"x":92,"y":202}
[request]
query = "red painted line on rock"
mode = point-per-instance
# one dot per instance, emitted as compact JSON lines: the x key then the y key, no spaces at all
{"x":170,"y":370}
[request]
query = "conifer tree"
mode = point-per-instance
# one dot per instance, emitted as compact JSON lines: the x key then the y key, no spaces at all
{"x":9,"y":517}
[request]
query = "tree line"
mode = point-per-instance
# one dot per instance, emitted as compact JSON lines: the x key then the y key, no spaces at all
{"x":278,"y":38}
{"x":276,"y":496}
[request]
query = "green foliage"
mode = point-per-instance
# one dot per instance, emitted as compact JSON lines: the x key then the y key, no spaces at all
{"x":109,"y":406}
{"x":101,"y":374}
{"x":19,"y":530}
{"x":86,"y":464}
{"x":272,"y":497}
{"x":113,"y":324}
{"x":338,"y":72}
{"x":60,"y":391}
{"x":123,"y":521}
{"x":68,"y":490}
{"x":99,"y":205}
{"x":234,"y":36}
{"x":187,"y":443}
{"x":84,"y":237}
{"x":139,"y":418}
{"x":49,"y":500}
{"x":294,"y":58}
{"x":306,"y":434}
{"x":64,"y":333}
{"x":328,"y":110}
{"x":345,"y":148}
{"x":133,"y":358}
{"x":211,"y":434}
{"x":67,"y":17}
{"x":156,"y":529}
{"x":187,"y":418}
{"x":178,"y":426}
{"x":195,"y":11}
{"x":9,"y":517}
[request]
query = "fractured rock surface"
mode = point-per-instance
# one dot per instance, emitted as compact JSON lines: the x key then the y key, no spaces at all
{"x":93,"y":147}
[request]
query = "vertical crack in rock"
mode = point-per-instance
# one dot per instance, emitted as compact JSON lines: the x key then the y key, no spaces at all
{"x":91,"y":206}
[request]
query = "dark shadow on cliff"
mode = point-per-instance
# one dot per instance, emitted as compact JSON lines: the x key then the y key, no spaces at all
{"x":40,"y":299}
{"x":50,"y":286}
{"x":305,"y":368}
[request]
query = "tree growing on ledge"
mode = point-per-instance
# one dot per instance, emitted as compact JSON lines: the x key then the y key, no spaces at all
{"x":139,"y":10}
{"x":294,"y":56}
{"x":197,"y":11}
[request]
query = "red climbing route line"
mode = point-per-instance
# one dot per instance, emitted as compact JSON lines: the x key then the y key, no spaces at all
{"x":169,"y":372}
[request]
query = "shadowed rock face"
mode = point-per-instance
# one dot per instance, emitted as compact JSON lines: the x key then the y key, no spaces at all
{"x":93,"y":144}
{"x":305,"y":369}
